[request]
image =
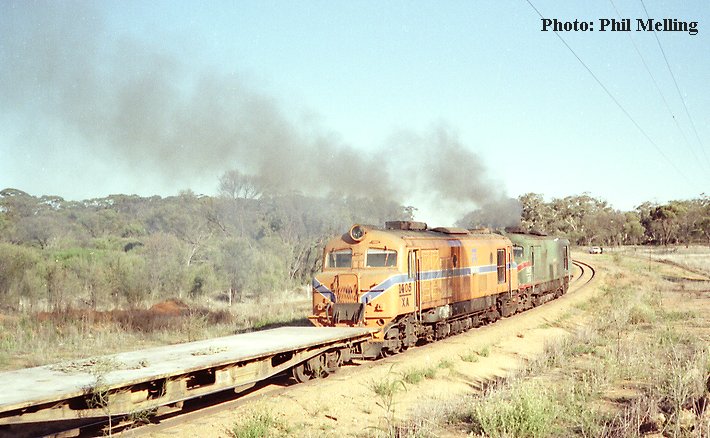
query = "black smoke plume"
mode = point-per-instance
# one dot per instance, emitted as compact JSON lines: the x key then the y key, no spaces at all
{"x":150,"y":113}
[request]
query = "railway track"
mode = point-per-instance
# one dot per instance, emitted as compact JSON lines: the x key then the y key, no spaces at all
{"x":587,"y":273}
{"x":201,"y":406}
{"x":280,"y":386}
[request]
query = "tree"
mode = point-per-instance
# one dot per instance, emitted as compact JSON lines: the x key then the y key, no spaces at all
{"x":127,"y":279}
{"x":187,"y":217}
{"x":19,"y":280}
{"x":632,"y":229}
{"x":165,"y":264}
{"x":233,"y":185}
{"x":704,"y":228}
{"x":664,"y":222}
{"x":39,"y":229}
{"x":535,"y":214}
{"x":249,"y":270}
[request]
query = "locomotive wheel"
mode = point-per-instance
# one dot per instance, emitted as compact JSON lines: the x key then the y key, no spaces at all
{"x":387,"y":352}
{"x":392,"y":336}
{"x":317,"y":366}
{"x":300,"y":374}
{"x":332,"y":361}
{"x":312,"y":368}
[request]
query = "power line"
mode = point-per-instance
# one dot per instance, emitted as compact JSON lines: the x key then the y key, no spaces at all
{"x":611,"y":96}
{"x":692,"y":123}
{"x":658,"y":88}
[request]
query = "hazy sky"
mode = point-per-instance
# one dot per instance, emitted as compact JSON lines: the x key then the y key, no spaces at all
{"x":401,"y":98}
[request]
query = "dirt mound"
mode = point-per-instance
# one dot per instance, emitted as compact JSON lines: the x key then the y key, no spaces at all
{"x":172,"y":307}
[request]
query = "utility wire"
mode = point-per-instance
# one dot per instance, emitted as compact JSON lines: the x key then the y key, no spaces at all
{"x":658,"y":88}
{"x":611,"y":96}
{"x":692,"y":123}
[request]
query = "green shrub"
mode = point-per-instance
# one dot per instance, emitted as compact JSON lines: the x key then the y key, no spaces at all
{"x":469,"y":356}
{"x":259,"y":424}
{"x":416,"y":375}
{"x":387,"y":387}
{"x":19,"y":275}
{"x":413,"y":376}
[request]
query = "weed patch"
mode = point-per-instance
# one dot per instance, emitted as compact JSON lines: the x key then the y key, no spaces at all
{"x":259,"y":424}
{"x":413,"y":376}
{"x":469,"y":356}
{"x":385,"y":390}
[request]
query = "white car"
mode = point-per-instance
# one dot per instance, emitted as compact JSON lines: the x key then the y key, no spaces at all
{"x":595,"y":250}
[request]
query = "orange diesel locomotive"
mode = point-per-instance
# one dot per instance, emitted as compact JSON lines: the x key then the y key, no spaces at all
{"x":413,"y":284}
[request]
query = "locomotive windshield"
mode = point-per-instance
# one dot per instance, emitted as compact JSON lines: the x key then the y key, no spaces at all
{"x":381,"y":258}
{"x":518,"y":252}
{"x":341,"y":258}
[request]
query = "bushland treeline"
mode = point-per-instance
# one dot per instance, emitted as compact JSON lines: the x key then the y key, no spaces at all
{"x":127,"y":251}
{"x":586,"y":220}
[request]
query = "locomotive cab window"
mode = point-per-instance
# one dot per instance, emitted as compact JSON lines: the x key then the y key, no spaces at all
{"x":518,"y":252}
{"x":381,"y":258}
{"x":501,"y":266}
{"x":341,"y":258}
{"x":412,"y":265}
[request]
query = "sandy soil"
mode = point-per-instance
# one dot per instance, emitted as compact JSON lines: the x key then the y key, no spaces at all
{"x":346,"y":405}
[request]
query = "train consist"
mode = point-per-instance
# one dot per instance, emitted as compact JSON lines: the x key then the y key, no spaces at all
{"x":381,"y":291}
{"x":412,"y":284}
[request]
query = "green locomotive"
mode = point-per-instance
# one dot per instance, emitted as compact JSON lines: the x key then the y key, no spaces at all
{"x":543,"y":265}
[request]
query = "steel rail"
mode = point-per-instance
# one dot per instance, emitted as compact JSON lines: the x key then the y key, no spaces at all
{"x":585,"y":268}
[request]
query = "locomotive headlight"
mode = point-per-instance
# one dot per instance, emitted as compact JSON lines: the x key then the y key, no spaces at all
{"x":357,"y":233}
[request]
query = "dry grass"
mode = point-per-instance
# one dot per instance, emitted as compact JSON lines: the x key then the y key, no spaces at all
{"x":693,"y":257}
{"x":35,"y":339}
{"x":641,"y":365}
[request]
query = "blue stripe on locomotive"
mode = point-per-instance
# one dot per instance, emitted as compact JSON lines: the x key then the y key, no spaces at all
{"x":378,"y":290}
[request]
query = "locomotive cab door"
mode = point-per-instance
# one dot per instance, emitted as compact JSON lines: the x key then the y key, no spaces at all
{"x":456,"y":281}
{"x":509,"y":268}
{"x":413,"y":275}
{"x":534,"y":258}
{"x":503,"y":268}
